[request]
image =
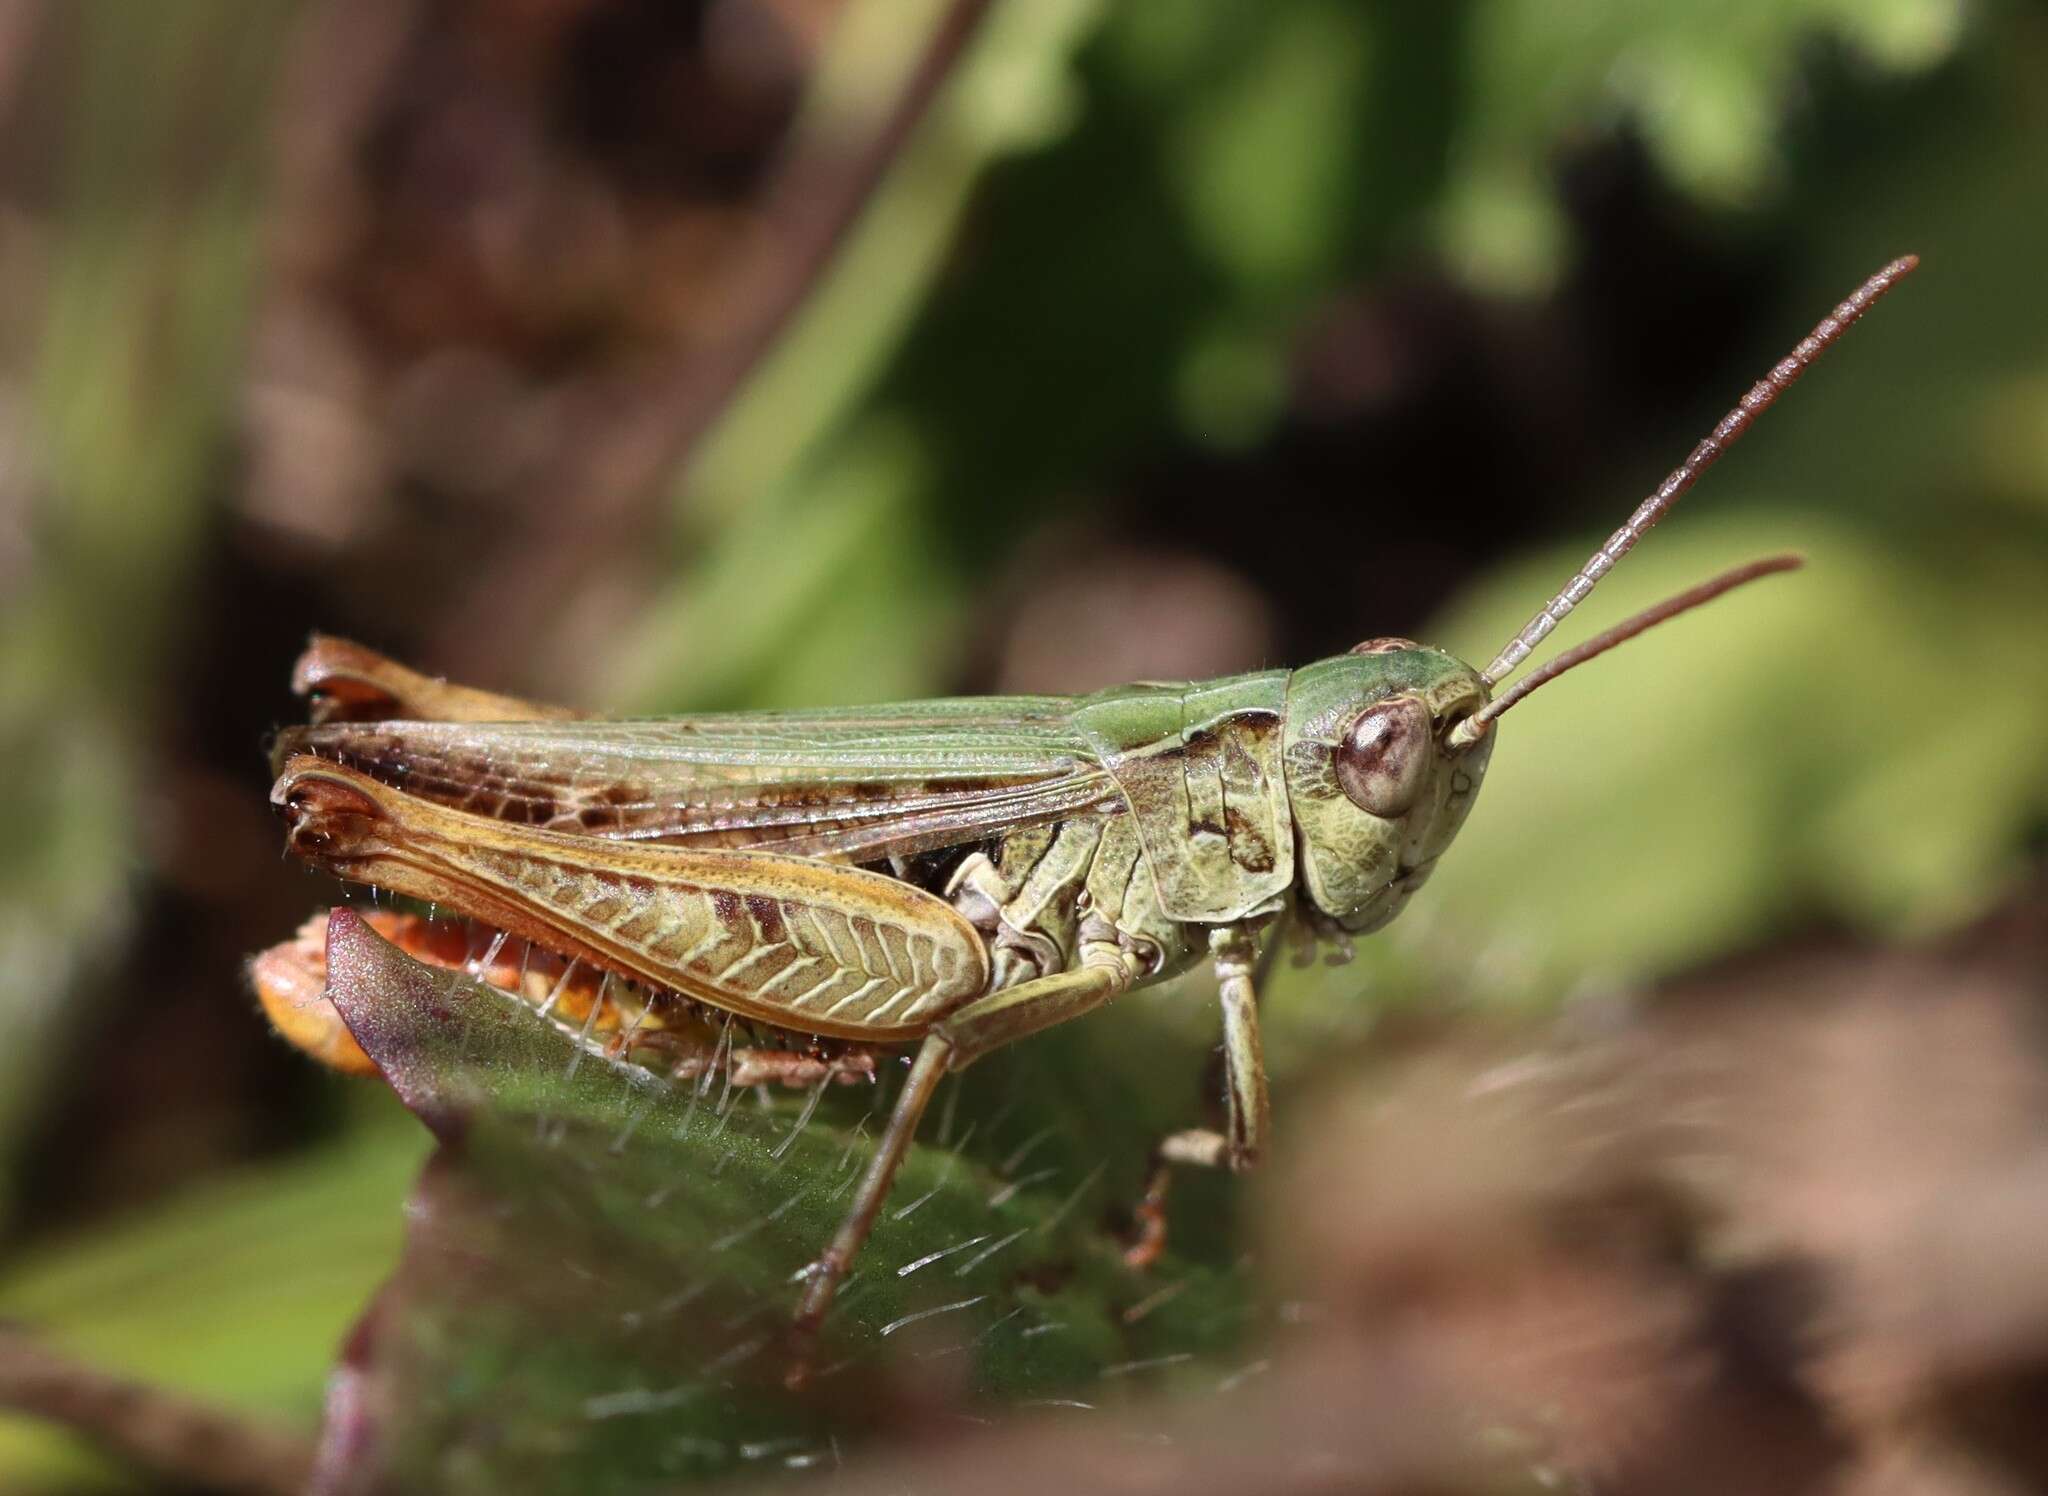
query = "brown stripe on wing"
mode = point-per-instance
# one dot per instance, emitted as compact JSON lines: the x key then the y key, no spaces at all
{"x":826,"y":787}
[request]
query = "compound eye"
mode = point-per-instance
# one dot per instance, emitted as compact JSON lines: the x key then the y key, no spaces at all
{"x":1384,"y":757}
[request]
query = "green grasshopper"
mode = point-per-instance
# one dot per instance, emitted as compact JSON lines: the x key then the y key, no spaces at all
{"x":954,"y":874}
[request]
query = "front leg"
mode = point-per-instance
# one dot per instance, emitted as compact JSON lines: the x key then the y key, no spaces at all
{"x":1249,"y":1112}
{"x":1248,"y":1124}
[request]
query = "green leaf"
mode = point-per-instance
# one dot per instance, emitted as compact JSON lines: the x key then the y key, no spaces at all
{"x":600,"y":1264}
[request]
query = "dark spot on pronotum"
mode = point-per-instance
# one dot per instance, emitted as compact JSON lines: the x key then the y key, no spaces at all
{"x":1239,"y":766}
{"x":1249,"y":848}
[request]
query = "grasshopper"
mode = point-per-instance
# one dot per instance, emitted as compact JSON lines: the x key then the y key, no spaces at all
{"x":953,"y":874}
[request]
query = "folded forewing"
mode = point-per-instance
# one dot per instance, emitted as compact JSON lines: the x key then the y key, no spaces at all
{"x":852,"y":784}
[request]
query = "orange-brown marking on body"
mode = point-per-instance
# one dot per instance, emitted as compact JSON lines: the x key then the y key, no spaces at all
{"x":291,"y":980}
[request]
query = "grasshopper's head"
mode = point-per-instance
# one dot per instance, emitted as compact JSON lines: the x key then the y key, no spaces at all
{"x":1385,"y":747}
{"x":1378,"y":775}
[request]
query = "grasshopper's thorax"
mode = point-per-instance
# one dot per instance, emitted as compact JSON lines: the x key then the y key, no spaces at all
{"x":1375,"y":789}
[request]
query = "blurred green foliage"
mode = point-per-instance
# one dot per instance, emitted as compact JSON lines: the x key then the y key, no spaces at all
{"x":1105,"y":245}
{"x":132,"y":374}
{"x":1706,"y":86}
{"x":240,"y":1291}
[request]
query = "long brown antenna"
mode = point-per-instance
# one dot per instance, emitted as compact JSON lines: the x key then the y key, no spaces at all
{"x":1475,"y":725}
{"x":1724,"y":436}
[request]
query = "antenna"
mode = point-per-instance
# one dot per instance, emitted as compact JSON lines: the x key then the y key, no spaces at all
{"x":1755,"y":403}
{"x":1472,"y":728}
